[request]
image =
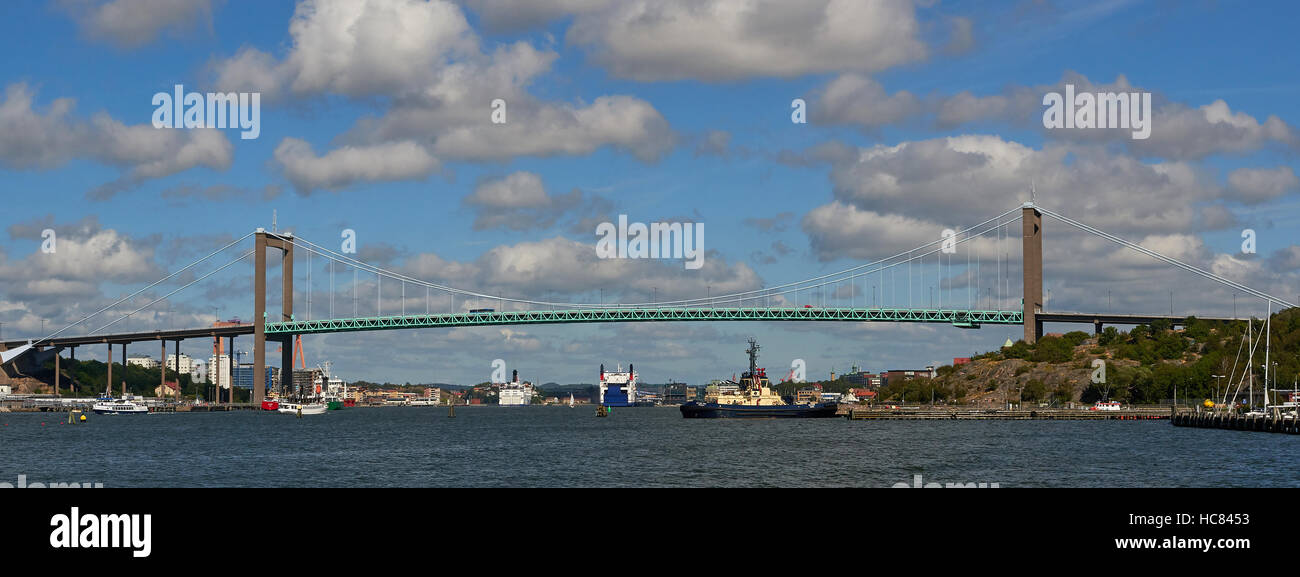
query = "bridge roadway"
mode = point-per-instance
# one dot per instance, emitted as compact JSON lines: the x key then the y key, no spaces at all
{"x":956,"y":317}
{"x":125,"y":338}
{"x":960,"y":318}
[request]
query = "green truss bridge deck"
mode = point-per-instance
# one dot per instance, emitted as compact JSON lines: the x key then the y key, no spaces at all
{"x":959,"y":318}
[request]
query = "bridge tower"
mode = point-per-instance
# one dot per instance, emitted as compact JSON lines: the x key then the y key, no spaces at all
{"x":1032,"y":254}
{"x":283,"y":242}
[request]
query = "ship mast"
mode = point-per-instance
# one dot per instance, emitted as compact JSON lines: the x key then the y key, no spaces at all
{"x":753,"y":360}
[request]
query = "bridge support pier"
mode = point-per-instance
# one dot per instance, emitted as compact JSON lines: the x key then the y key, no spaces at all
{"x":284,"y":243}
{"x":124,"y":370}
{"x":286,"y":363}
{"x":1096,"y":328}
{"x":108,"y":380}
{"x":56,"y":371}
{"x":1032,"y":251}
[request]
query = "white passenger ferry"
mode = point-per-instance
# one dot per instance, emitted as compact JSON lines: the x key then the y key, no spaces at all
{"x":307,"y":408}
{"x":124,"y":406}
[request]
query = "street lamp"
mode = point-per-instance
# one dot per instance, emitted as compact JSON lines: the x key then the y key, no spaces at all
{"x":1216,"y":384}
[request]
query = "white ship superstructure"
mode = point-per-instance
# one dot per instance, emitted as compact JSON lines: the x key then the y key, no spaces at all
{"x":515,"y":393}
{"x":618,"y":388}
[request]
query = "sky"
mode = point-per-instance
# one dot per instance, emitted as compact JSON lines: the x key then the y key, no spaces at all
{"x":376,"y":117}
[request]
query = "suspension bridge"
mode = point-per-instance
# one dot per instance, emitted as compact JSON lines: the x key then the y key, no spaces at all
{"x":991,"y":306}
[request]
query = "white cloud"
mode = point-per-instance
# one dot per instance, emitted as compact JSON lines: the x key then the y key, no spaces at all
{"x":134,"y":23}
{"x":29,"y":139}
{"x":859,"y":100}
{"x":344,"y":166}
{"x":843,"y":230}
{"x":519,"y":201}
{"x":424,"y":64}
{"x":564,"y":267}
{"x":889,"y":199}
{"x":32,"y":140}
{"x":1178,"y":131}
{"x":1256,"y":185}
{"x":963,"y":36}
{"x":721,"y":40}
{"x":940,"y":178}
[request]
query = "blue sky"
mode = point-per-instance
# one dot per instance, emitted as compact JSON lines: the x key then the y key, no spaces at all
{"x":390,"y":101}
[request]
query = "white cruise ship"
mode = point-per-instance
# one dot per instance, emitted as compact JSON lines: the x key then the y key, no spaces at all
{"x":515,"y":393}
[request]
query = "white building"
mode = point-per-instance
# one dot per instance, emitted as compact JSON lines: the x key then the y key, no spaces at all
{"x":188,"y":366}
{"x":219,"y":370}
{"x":143,"y":362}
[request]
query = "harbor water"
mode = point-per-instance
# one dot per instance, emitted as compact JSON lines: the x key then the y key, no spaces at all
{"x":563,"y":447}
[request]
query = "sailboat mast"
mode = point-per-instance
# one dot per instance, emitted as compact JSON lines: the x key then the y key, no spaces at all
{"x":1268,"y":340}
{"x":1250,"y":363}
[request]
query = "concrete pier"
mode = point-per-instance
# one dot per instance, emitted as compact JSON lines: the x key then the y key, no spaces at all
{"x":1235,"y":422}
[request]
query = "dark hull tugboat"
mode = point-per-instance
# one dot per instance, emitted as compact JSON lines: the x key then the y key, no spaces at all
{"x":754,"y":399}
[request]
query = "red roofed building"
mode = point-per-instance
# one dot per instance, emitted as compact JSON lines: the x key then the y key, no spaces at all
{"x":863,"y":394}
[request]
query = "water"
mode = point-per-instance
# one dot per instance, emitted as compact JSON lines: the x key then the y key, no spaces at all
{"x":558,"y":446}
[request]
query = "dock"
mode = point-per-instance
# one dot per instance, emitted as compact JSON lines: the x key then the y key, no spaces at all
{"x":57,"y":405}
{"x":1275,"y":423}
{"x":973,"y":414}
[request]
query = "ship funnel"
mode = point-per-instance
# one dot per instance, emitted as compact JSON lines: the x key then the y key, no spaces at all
{"x":514,"y":376}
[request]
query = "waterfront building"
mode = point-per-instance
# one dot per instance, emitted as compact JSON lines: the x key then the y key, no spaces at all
{"x":242,"y":376}
{"x":896,"y":375}
{"x":219,"y":370}
{"x":186,"y":364}
{"x":810,"y":394}
{"x":142,"y":362}
{"x":168,"y":389}
{"x":679,"y":393}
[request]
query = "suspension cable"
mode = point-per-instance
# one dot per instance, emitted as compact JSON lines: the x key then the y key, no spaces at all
{"x":139,"y":292}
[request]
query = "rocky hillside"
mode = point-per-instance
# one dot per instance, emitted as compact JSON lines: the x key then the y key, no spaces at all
{"x":1145,"y":365}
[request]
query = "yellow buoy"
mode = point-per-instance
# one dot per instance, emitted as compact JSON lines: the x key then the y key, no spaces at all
{"x":1208,"y":404}
{"x":83,"y":418}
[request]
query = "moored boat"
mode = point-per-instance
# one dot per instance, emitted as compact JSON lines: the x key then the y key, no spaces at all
{"x":304,"y":408}
{"x":125,"y":406}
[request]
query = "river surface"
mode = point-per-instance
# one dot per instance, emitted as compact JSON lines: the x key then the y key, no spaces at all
{"x":639,"y":447}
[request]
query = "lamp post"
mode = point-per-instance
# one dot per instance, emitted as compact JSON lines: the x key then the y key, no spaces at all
{"x":1216,"y":384}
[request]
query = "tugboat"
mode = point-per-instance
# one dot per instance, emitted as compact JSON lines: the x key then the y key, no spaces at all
{"x":753,"y":398}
